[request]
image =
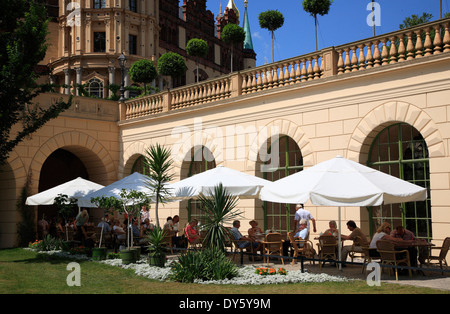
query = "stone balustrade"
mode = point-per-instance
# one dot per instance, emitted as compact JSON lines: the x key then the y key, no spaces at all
{"x":374,"y":52}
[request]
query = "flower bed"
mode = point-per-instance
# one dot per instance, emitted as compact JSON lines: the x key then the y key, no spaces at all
{"x":247,"y":275}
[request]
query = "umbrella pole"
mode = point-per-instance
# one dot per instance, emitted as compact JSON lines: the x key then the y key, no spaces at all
{"x":339,"y":240}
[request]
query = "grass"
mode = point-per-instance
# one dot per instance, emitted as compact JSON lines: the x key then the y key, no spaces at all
{"x":26,"y":272}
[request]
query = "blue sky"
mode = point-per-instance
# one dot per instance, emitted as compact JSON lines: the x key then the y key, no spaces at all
{"x":345,"y":23}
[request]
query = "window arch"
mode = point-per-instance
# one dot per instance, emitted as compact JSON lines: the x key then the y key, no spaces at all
{"x":280,"y":217}
{"x":201,"y":160}
{"x":95,"y":87}
{"x":401,"y":151}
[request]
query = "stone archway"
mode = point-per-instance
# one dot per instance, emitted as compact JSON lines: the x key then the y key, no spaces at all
{"x":92,"y":153}
{"x":389,"y":113}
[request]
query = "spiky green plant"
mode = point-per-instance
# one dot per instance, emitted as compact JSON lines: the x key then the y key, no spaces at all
{"x":159,"y":164}
{"x":218,"y":210}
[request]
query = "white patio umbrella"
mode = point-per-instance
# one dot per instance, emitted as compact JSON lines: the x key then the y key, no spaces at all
{"x":236,"y":183}
{"x":342,"y":182}
{"x":135,"y":181}
{"x":76,"y":188}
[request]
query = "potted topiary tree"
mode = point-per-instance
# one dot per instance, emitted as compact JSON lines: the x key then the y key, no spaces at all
{"x":271,"y":20}
{"x":171,"y":64}
{"x":233,"y":34}
{"x":315,"y":7}
{"x":197,"y":48}
{"x":143,"y":71}
{"x":66,"y":208}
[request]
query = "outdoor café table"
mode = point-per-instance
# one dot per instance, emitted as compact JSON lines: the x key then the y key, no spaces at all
{"x":412,"y":249}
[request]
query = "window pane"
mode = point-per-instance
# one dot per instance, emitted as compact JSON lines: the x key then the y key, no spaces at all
{"x":280,"y":217}
{"x":401,"y":151}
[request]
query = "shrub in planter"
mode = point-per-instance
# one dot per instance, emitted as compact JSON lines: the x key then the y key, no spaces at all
{"x":208,"y":264}
{"x":156,"y":248}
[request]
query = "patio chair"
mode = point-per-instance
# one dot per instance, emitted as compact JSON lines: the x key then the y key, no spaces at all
{"x":353,"y":253}
{"x":327,"y":249}
{"x":441,"y":258}
{"x":367,"y":258}
{"x":193,"y":245}
{"x":237,"y":248}
{"x":301,"y":248}
{"x":168,"y":241}
{"x":389,"y":256}
{"x":273,"y":246}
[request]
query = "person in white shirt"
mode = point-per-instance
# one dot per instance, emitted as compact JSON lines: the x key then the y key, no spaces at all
{"x":300,"y":214}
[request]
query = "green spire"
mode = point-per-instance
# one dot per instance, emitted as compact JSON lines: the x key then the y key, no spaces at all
{"x":248,"y":43}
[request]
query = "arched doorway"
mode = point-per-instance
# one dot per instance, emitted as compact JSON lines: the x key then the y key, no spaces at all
{"x":401,"y":151}
{"x":59,"y":167}
{"x":280,"y":217}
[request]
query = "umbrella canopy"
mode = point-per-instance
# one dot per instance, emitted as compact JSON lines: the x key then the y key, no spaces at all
{"x":342,"y":182}
{"x":236,"y":183}
{"x":76,"y":188}
{"x":135,"y":181}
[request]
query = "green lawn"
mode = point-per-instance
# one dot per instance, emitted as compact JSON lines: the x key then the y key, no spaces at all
{"x":26,"y":272}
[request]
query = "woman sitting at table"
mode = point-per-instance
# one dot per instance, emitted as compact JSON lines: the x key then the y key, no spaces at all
{"x":191,"y":232}
{"x":332,"y":230}
{"x":255,"y":233}
{"x":384,"y":233}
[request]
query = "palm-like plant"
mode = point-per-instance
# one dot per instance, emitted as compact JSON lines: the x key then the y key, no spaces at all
{"x":159,"y":164}
{"x":218,"y":210}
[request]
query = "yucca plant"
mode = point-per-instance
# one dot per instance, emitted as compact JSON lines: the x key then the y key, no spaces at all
{"x":159,"y":164}
{"x":218,"y":210}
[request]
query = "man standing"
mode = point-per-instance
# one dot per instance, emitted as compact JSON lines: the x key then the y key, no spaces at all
{"x":302,"y":213}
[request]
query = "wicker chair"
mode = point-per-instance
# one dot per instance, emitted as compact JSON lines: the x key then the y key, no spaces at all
{"x":389,"y":256}
{"x":273,"y":246}
{"x":301,"y":248}
{"x":356,"y":253}
{"x":367,"y":258}
{"x":327,"y":249}
{"x":441,"y":258}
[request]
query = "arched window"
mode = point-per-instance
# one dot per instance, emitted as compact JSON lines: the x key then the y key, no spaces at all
{"x":140,"y":166}
{"x":95,"y":88}
{"x":201,"y":160}
{"x":401,"y":151}
{"x":280,"y":217}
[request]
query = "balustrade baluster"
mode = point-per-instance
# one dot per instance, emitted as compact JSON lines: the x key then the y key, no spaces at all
{"x":446,"y":38}
{"x":316,"y":68}
{"x":428,"y":45}
{"x":376,"y":54}
{"x":410,"y":47}
{"x":393,"y":51}
{"x":298,"y":72}
{"x":384,"y":53}
{"x":347,"y":61}
{"x":354,"y":59}
{"x":419,"y":45}
{"x":286,"y":74}
{"x":369,"y":57}
{"x":304,"y":72}
{"x":437,"y":43}
{"x":401,"y":48}
{"x":275,"y":79}
{"x":340,"y":64}
{"x":292,"y":73}
{"x":362,"y":58}
{"x":310,"y":69}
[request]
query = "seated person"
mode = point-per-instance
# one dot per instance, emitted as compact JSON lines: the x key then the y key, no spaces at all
{"x":384,"y":233}
{"x":244,"y":242}
{"x":119,"y":230}
{"x":191,"y":232}
{"x":302,"y":231}
{"x":358,"y":237}
{"x":332,"y":230}
{"x":402,"y":233}
{"x":255,"y":233}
